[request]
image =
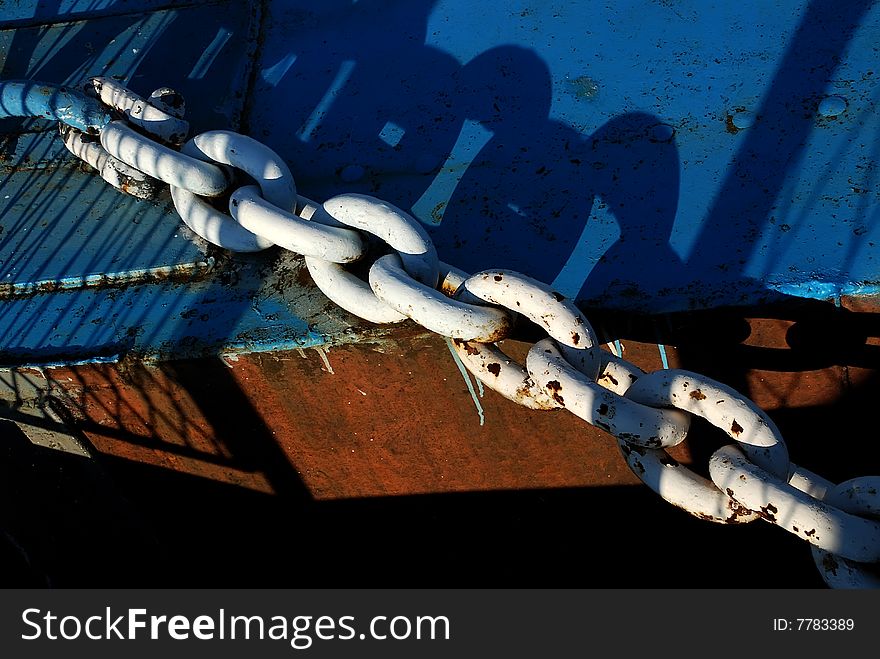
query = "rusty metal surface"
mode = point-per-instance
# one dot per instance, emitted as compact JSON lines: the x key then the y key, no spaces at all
{"x":353,"y":420}
{"x":348,"y":464}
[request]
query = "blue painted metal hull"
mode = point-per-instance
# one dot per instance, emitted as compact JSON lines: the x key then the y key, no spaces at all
{"x":644,"y":156}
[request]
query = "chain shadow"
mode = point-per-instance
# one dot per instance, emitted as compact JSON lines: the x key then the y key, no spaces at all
{"x":812,"y":365}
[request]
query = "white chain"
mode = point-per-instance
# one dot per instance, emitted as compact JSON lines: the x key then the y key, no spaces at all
{"x":750,"y":479}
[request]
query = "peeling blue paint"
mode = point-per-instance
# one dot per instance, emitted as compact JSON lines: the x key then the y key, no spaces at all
{"x":31,"y":100}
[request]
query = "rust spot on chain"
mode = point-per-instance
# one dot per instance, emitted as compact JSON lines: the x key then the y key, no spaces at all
{"x":555,"y":387}
{"x":575,"y":338}
{"x":559,"y":297}
{"x":468,"y":348}
{"x":769,"y":511}
{"x":494,"y":368}
{"x":735,"y":428}
{"x":498,"y":277}
{"x":810,"y":533}
{"x":736,"y":510}
{"x":696,"y":394}
{"x":730,"y":492}
{"x":610,"y":378}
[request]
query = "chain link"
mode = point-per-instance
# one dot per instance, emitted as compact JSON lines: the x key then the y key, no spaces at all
{"x":151,"y":115}
{"x":859,"y":496}
{"x":122,"y":177}
{"x":750,"y":480}
{"x":627,"y":420}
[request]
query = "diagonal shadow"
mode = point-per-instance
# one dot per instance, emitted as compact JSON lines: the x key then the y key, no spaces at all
{"x":774,"y":144}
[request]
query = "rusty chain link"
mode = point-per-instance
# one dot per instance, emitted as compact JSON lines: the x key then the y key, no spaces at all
{"x":645,"y":412}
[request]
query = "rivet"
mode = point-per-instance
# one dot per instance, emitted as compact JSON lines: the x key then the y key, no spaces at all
{"x":742,"y":119}
{"x":831,"y":106}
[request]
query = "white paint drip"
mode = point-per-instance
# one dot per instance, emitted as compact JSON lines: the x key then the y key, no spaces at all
{"x":323,"y":353}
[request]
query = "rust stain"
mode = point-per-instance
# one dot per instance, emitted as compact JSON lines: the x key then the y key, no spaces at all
{"x":696,"y":394}
{"x":736,"y":511}
{"x":610,"y":378}
{"x":735,"y":428}
{"x":555,"y":387}
{"x":469,"y":348}
{"x":768,"y":512}
{"x":729,"y":126}
{"x":148,"y":414}
{"x":178,"y":273}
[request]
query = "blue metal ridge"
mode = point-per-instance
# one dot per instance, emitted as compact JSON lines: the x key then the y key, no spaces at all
{"x":31,"y":99}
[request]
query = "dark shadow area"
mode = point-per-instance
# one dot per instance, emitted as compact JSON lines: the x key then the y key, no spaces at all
{"x":63,"y":520}
{"x":207,"y":534}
